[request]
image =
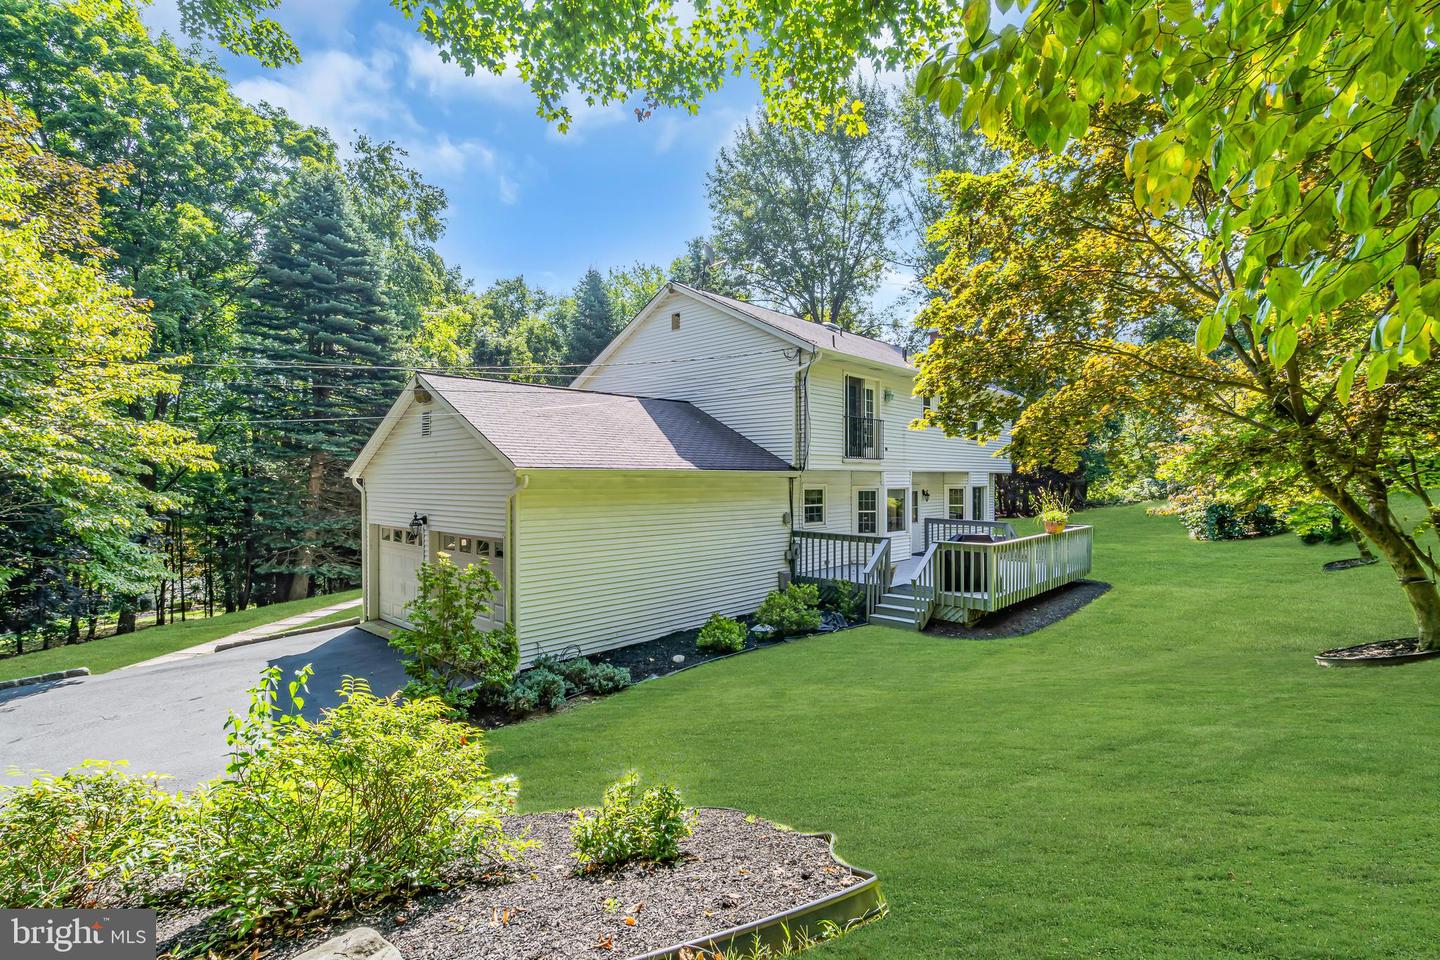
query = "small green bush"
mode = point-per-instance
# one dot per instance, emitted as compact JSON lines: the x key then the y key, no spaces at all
{"x":791,"y":611}
{"x":606,"y":678}
{"x":450,"y":656}
{"x":376,"y":798}
{"x":846,"y":599}
{"x":633,"y":823}
{"x":582,"y":676}
{"x":537,"y":689}
{"x":64,"y":838}
{"x":721,"y":635}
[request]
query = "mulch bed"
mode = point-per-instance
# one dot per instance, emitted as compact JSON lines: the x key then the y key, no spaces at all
{"x":1349,"y":564}
{"x":1378,"y":653}
{"x":1027,"y":616}
{"x":735,"y":870}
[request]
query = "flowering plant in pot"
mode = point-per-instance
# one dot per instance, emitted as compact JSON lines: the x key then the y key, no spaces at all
{"x":1054,"y":511}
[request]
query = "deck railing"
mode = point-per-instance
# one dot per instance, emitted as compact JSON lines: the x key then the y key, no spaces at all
{"x":834,"y":558}
{"x":979,"y":578}
{"x":938,"y":529}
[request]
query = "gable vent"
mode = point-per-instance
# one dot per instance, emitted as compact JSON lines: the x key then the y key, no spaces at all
{"x":674,"y":321}
{"x":425,"y":424}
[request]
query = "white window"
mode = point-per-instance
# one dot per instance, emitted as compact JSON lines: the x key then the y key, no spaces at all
{"x":447,"y":542}
{"x":895,"y":509}
{"x":867,"y":511}
{"x":385,"y":534}
{"x":465,"y":545}
{"x":914,"y":506}
{"x":955,"y":503}
{"x":814,"y":506}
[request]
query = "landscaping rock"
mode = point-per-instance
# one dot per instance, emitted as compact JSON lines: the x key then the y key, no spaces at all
{"x":762,"y":631}
{"x":362,"y":943}
{"x":830,"y":621}
{"x":678,"y":658}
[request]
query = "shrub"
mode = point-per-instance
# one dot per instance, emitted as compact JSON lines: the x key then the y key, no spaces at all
{"x":849,"y":600}
{"x":377,"y":797}
{"x":450,"y":657}
{"x":606,"y":678}
{"x":1319,"y":523}
{"x":792,"y":610}
{"x":582,"y":676}
{"x":537,"y":689}
{"x":633,"y":823}
{"x":63,"y":838}
{"x":721,"y":635}
{"x":1263,"y":521}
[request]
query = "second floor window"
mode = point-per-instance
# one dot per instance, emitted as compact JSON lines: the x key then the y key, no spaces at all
{"x":863,"y":437}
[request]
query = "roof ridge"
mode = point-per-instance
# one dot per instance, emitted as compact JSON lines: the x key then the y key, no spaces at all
{"x":554,"y":386}
{"x":746,"y":303}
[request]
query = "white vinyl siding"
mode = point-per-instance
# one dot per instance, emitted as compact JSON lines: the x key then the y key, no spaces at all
{"x":729,"y":368}
{"x":448,"y":476}
{"x":602,"y":561}
{"x":904,"y":448}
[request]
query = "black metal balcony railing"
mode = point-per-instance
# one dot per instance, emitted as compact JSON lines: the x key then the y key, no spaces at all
{"x":864,"y":438}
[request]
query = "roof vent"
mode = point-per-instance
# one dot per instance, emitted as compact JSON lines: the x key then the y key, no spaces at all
{"x":833,"y":326}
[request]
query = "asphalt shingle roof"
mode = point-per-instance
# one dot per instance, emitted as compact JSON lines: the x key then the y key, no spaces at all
{"x":557,"y":427}
{"x":816,"y":334}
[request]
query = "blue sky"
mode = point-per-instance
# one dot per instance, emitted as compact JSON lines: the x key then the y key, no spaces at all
{"x":524,"y":199}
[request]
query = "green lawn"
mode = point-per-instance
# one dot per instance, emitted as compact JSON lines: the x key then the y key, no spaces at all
{"x":1166,"y":774}
{"x":111,"y":653}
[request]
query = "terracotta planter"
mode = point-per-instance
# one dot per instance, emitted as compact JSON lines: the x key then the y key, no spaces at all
{"x":1054,"y":527}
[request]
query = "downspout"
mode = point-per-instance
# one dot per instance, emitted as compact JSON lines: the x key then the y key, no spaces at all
{"x":522,"y":481}
{"x":802,"y":457}
{"x":365,"y":556}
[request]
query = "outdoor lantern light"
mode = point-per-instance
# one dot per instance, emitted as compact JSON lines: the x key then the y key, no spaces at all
{"x":417,"y":523}
{"x":925,"y":494}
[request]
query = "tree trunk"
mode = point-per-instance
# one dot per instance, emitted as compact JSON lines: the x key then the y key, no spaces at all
{"x":314,"y":487}
{"x":1361,"y":545}
{"x":126,"y":621}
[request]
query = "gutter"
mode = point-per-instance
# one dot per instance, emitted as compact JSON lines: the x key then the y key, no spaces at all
{"x":365,"y":557}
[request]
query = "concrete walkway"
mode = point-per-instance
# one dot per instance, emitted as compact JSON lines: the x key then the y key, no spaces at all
{"x":254,"y":633}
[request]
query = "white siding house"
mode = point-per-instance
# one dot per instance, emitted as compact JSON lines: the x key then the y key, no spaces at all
{"x":667,"y":483}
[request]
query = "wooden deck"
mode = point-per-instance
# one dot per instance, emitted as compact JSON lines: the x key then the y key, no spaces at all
{"x":951,"y":580}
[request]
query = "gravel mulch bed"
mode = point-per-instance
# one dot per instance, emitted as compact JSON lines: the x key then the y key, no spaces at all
{"x":1349,"y":564}
{"x":1404,"y":650}
{"x":1027,"y":616}
{"x":735,"y":870}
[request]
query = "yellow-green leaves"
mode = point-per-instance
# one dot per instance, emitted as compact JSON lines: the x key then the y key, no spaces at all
{"x":1346,"y":380}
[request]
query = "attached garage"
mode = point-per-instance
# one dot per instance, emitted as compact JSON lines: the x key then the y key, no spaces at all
{"x":607,"y":519}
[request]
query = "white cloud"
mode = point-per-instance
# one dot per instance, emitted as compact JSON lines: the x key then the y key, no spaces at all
{"x":334,"y":90}
{"x":425,"y":70}
{"x":344,"y":93}
{"x":586,"y":119}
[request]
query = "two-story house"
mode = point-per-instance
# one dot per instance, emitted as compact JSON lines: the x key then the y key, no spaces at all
{"x":667,"y":482}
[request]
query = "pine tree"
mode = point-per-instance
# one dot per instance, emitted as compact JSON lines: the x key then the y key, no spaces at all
{"x":592,"y":324}
{"x":317,"y":321}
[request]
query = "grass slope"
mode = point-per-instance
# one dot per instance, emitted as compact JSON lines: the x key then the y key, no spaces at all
{"x":1167,"y":774}
{"x":111,"y":653}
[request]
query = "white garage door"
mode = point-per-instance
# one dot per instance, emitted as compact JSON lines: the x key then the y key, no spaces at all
{"x":464,"y":551}
{"x":400,"y":557}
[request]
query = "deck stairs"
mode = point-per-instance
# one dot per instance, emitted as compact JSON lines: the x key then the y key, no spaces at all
{"x":899,"y":607}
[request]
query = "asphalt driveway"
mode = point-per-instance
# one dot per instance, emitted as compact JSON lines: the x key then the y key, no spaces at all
{"x":170,"y":717}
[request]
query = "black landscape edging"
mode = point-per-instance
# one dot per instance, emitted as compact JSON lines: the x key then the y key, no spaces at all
{"x":1388,"y":660}
{"x":45,"y":678}
{"x":1351,"y":563}
{"x":844,"y":908}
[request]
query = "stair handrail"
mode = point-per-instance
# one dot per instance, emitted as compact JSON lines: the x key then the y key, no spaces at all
{"x":876,"y":577}
{"x":924,"y":586}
